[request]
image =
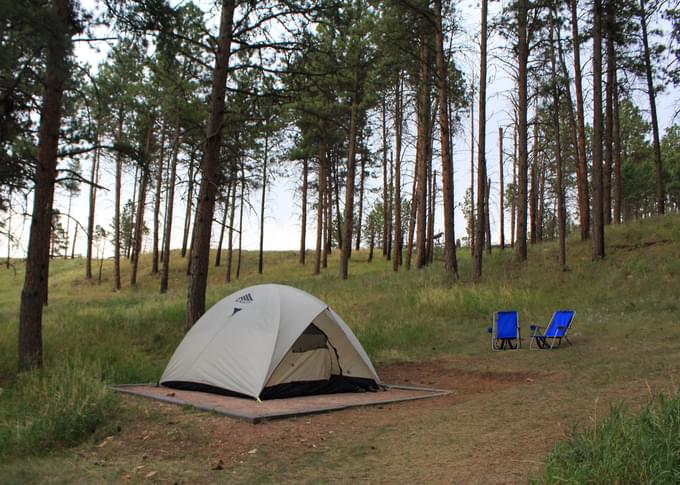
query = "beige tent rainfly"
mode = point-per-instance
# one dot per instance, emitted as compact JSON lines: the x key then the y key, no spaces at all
{"x":270,"y":341}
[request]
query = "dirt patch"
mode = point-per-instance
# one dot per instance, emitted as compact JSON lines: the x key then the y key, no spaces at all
{"x":211,"y":442}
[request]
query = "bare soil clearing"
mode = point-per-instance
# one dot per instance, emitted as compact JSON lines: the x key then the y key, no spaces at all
{"x":188,"y":446}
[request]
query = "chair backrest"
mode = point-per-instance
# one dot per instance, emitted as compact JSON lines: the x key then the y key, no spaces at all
{"x":559,"y":325}
{"x":507,"y":324}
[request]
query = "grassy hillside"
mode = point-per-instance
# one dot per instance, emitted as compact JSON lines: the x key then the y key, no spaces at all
{"x":625,"y":332}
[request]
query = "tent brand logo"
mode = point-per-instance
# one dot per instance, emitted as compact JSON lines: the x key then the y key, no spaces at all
{"x":247,"y":298}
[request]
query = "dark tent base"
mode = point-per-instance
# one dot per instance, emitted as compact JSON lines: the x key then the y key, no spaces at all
{"x":336,"y":384}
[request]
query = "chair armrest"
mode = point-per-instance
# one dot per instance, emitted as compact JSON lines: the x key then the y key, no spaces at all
{"x":535,"y":327}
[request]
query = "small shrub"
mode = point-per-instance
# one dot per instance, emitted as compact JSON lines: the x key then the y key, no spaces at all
{"x":622,"y":449}
{"x":44,"y":410}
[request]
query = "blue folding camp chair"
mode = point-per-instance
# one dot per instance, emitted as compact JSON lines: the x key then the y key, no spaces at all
{"x":505,"y":331}
{"x":556,"y":331}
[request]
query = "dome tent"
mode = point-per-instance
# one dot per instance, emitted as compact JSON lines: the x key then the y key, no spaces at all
{"x":270,"y":341}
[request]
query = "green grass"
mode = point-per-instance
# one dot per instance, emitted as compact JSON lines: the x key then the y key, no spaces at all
{"x":626,"y":323}
{"x":643,"y":448}
{"x":54,"y":408}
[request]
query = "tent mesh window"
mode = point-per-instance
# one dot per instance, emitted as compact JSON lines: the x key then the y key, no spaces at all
{"x":311,"y":339}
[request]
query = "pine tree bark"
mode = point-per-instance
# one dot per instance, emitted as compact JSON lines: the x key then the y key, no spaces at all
{"x":522,"y":161}
{"x":129,"y":237}
{"x":320,"y":212}
{"x":473,"y":201}
{"x":533,"y":191}
{"x":480,"y":229}
{"x":660,"y":190}
{"x":223,"y":226}
{"x":501,"y":188}
{"x":412,"y":215}
{"x":230,"y":242}
{"x":165,"y":269}
{"x":260,"y":256}
{"x":34,"y":293}
{"x":351,"y":169}
{"x":116,"y":218}
{"x":139,"y":224}
{"x":386,"y":202}
{"x":598,"y":196}
{"x":609,"y":114}
{"x":200,"y":252}
{"x":617,"y":155}
{"x":432,"y":190}
{"x":189,"y":207}
{"x":94,"y":179}
{"x":423,"y":114}
{"x":303,"y":219}
{"x":362,"y":177}
{"x":240,"y":220}
{"x":513,"y":208}
{"x":561,"y":209}
{"x":398,"y":125}
{"x":155,"y":256}
{"x":487,"y":217}
{"x":581,"y":166}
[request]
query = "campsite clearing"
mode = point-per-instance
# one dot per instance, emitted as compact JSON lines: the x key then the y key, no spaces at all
{"x":506,"y":412}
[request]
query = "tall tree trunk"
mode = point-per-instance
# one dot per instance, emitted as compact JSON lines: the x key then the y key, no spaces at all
{"x":609,"y":114}
{"x":230,"y":242}
{"x":165,"y":269}
{"x":129,"y":237}
{"x":260,"y":256}
{"x":500,"y":169}
{"x":351,"y":169}
{"x":390,"y":212}
{"x":68,"y":223}
{"x":513,"y":208}
{"x":303,"y":219}
{"x":398,"y":125}
{"x":423,"y":109}
{"x":522,"y":161}
{"x":473,"y":201}
{"x":94,"y":180}
{"x":412,"y":215}
{"x":200,"y":252}
{"x":73,"y":243}
{"x":561,"y":209}
{"x":189,"y":211}
{"x":386,"y":202}
{"x":581,"y":166}
{"x":481,"y":147}
{"x":598,"y":196}
{"x":223,"y":226}
{"x":487,"y":216}
{"x":117,"y":232}
{"x":533,"y":191}
{"x":362,"y":177}
{"x":617,"y":154}
{"x":240,"y":220}
{"x":660,"y":190}
{"x":34,"y":292}
{"x":336,"y":185}
{"x":157,"y":205}
{"x":143,"y":183}
{"x":328,"y":228}
{"x":432,"y":176}
{"x":9,"y":228}
{"x":320,"y":212}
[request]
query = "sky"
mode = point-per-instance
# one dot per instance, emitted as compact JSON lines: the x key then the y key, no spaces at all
{"x":282,"y":212}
